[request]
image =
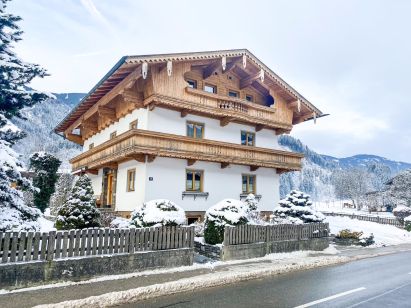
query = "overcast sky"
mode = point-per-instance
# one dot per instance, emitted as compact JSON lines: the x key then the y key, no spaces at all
{"x":352,"y":59}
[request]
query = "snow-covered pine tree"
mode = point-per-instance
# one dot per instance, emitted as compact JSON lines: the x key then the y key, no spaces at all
{"x":80,"y":210}
{"x":296,"y":208}
{"x":63,"y":188}
{"x":45,"y":166}
{"x":15,"y":76}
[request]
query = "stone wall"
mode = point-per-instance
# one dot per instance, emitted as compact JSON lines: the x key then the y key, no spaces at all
{"x":23,"y":274}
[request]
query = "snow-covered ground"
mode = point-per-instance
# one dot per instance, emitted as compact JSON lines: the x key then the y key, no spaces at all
{"x":383,"y":234}
{"x":337,"y":207}
{"x":45,"y":224}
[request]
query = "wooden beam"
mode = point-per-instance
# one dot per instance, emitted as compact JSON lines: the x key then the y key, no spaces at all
{"x":246,"y":82}
{"x":152,"y":106}
{"x":224,"y":165}
{"x":150,"y":158}
{"x":141,"y":158}
{"x":281,"y":171}
{"x":134,"y":75}
{"x":184,"y":113}
{"x":259,"y":127}
{"x":92,"y":171}
{"x":191,"y":162}
{"x":75,"y":138}
{"x":225,"y":121}
{"x":209,"y":70}
{"x":110,"y":165}
{"x":232,"y":64}
{"x":280,"y":131}
{"x":91,"y":126}
{"x":253,"y":168}
{"x":301,"y":118}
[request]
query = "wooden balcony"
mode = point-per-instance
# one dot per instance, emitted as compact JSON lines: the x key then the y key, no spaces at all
{"x":226,"y":109}
{"x":139,"y":144}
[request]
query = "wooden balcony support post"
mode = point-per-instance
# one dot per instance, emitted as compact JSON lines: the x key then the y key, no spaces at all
{"x":225,"y":121}
{"x":151,"y":158}
{"x":224,"y":165}
{"x":259,"y":127}
{"x":253,"y":168}
{"x":191,"y":162}
{"x":75,"y":138}
{"x":184,"y":113}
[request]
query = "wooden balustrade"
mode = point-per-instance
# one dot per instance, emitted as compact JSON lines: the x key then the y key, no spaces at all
{"x":219,"y":106}
{"x":136,"y":142}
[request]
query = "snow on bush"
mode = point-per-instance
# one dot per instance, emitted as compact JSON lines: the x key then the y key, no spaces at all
{"x":229,"y":212}
{"x":407,"y":223}
{"x":296,"y":208}
{"x":80,"y":210}
{"x":401,"y":212}
{"x":160,"y":212}
{"x":198,"y":228}
{"x":120,"y":222}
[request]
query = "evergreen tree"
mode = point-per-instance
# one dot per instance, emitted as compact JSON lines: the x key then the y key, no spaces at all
{"x":45,"y":166}
{"x":80,"y":210}
{"x":296,"y":208}
{"x":62,"y":192}
{"x":15,"y":75}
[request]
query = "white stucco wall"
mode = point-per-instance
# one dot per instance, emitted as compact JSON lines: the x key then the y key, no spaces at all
{"x":169,"y":182}
{"x":121,"y":126}
{"x":129,"y":200}
{"x":169,"y":121}
{"x":96,"y":182}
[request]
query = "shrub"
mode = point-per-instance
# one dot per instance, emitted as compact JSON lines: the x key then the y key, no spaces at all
{"x":80,"y":210}
{"x":296,"y":208}
{"x":120,"y":222}
{"x":160,"y":212}
{"x":198,"y":228}
{"x":401,"y":212}
{"x":229,"y":212}
{"x":407,"y":223}
{"x":347,"y":233}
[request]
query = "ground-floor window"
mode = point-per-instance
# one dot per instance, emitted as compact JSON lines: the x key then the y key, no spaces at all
{"x":131,"y":179}
{"x":193,"y":219}
{"x":194,"y":180}
{"x":248,"y":184}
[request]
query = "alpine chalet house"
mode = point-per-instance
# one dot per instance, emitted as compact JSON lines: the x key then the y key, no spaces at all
{"x":193,"y":128}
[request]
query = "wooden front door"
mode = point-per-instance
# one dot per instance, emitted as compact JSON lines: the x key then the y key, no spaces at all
{"x":110,"y":180}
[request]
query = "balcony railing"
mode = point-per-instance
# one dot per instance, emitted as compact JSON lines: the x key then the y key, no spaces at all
{"x":219,"y":106}
{"x":135,"y":142}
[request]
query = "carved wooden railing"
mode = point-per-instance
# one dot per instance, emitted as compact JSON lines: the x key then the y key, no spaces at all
{"x":219,"y":106}
{"x":135,"y":142}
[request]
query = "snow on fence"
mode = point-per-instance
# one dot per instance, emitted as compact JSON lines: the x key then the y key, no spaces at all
{"x":246,"y":234}
{"x":377,"y":219}
{"x":28,"y":246}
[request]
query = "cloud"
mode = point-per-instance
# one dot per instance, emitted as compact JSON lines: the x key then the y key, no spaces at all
{"x":94,"y":12}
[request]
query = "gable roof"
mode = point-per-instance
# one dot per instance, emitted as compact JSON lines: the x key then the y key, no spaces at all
{"x":128,"y":63}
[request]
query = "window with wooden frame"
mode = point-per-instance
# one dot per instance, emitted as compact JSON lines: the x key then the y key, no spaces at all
{"x":233,"y":93}
{"x":249,"y":98}
{"x":113,"y":134}
{"x":194,"y":180}
{"x":133,"y":124}
{"x":195,"y":130}
{"x":192,"y":83}
{"x":248,"y":184}
{"x":247,"y":138}
{"x":131,"y":179}
{"x":91,"y":145}
{"x":210,"y":88}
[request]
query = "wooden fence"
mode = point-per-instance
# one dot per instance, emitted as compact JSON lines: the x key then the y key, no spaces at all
{"x":377,"y":219}
{"x":246,"y":234}
{"x":29,"y":246}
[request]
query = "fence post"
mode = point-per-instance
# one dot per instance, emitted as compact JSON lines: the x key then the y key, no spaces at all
{"x":50,"y":246}
{"x":226,"y":241}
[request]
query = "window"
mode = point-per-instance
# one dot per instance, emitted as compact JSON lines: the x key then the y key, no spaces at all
{"x":194,"y":180}
{"x":249,"y":98}
{"x":133,"y":125}
{"x":210,"y":88}
{"x":131,"y":179}
{"x":192,"y":83}
{"x":193,"y":219}
{"x":247,"y":138}
{"x":248,"y":184}
{"x":91,"y":146}
{"x":233,"y":93}
{"x":195,"y":130}
{"x":113,"y":134}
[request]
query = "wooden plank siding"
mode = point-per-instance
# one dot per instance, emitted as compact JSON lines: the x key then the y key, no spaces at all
{"x":247,"y":234}
{"x":19,"y":247}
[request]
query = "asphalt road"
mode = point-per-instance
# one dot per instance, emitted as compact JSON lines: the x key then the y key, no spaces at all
{"x":375,"y":282}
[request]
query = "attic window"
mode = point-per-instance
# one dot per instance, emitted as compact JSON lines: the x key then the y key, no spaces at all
{"x":192,"y":83}
{"x":210,"y":88}
{"x":249,"y":98}
{"x":232,"y":93}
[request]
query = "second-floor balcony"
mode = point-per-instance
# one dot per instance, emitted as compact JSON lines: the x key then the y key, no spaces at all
{"x":226,"y":109}
{"x":144,"y":145}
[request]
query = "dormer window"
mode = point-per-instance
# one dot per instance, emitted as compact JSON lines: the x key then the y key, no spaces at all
{"x":192,"y":83}
{"x":249,"y":98}
{"x":232,"y":93}
{"x":210,"y":88}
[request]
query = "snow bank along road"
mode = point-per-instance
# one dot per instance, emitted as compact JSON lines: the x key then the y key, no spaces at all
{"x":383,"y":281}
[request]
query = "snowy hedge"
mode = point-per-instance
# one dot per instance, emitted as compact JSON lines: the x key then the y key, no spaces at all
{"x":160,"y":212}
{"x":226,"y":212}
{"x":296,"y":208}
{"x":401,"y":212}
